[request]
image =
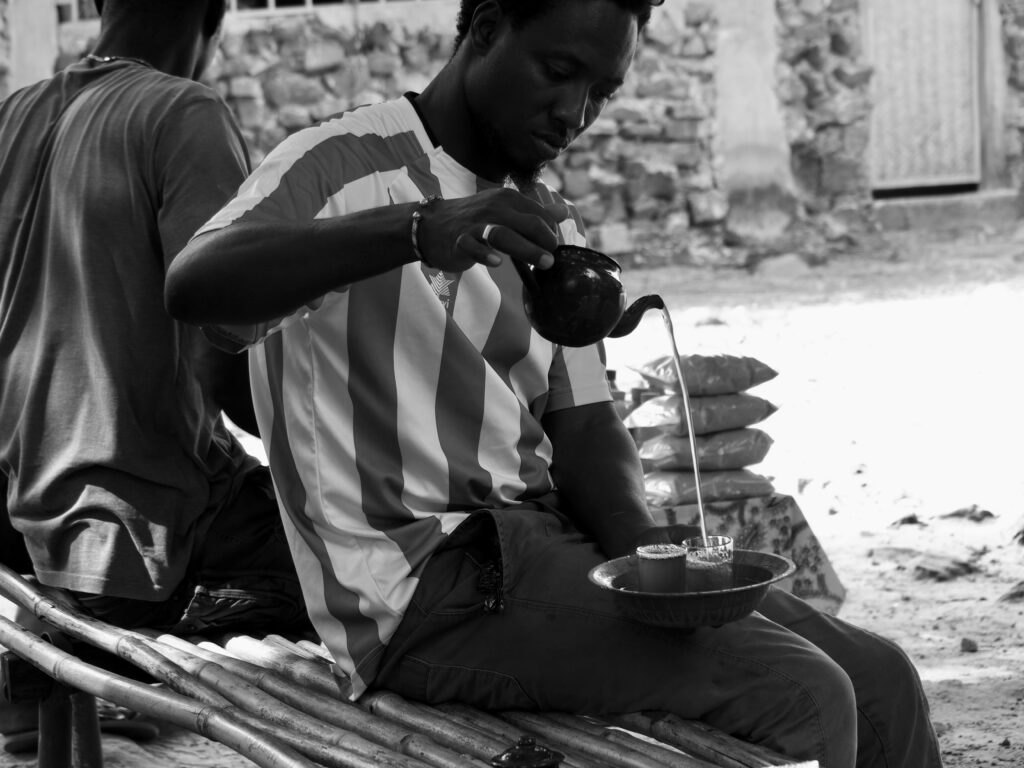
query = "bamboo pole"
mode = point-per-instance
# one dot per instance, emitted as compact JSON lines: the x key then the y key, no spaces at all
{"x":558,"y":734}
{"x":127,"y":645}
{"x":337,"y":712}
{"x":702,"y":740}
{"x":308,"y":673}
{"x":317,"y":650}
{"x":656,"y":750}
{"x":295,"y":727}
{"x":468,"y":716}
{"x":431,"y":723}
{"x":203,"y":719}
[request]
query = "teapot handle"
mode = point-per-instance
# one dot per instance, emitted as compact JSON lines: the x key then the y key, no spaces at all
{"x":526,"y":274}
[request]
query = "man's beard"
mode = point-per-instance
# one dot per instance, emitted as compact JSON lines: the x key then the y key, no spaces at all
{"x":521,"y":175}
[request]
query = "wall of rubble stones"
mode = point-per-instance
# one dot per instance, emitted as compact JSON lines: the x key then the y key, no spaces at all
{"x":1012,"y":12}
{"x":642,"y":174}
{"x":5,"y":50}
{"x":824,"y":88}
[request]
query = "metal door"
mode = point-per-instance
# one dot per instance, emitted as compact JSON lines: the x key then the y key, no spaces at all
{"x":925,"y":120}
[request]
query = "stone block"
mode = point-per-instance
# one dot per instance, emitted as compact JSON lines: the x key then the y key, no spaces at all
{"x":693,"y":46}
{"x":249,"y":112}
{"x":788,"y":266}
{"x":592,"y":208}
{"x":646,"y":207}
{"x":853,"y":75}
{"x":813,"y":8}
{"x":323,"y":56}
{"x":816,"y":55}
{"x":329,"y":107}
{"x":829,"y":140}
{"x":614,"y":238}
{"x":383,"y":63}
{"x":844,"y":35}
{"x":690,"y":109}
{"x":577,"y":183}
{"x":603,"y":126}
{"x":684,"y":130}
{"x":417,"y":56}
{"x":707,"y":207}
{"x":351,"y":79}
{"x":551,"y":178}
{"x":245,"y":88}
{"x":1014,"y":43}
{"x":605,"y":179}
{"x":842,"y":174}
{"x":578,"y":158}
{"x":684,"y":154}
{"x":642,"y":130}
{"x":698,"y":12}
{"x":663,"y":30}
{"x":293,"y":117}
{"x":626,"y":110}
{"x":856,"y":138}
{"x":283,"y":87}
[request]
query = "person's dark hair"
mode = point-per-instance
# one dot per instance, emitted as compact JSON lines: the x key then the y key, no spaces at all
{"x":521,"y":11}
{"x":163,"y":11}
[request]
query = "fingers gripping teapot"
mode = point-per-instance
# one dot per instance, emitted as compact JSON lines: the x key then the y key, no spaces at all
{"x":580,"y":299}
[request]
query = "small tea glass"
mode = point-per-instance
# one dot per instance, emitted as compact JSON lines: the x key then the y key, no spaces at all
{"x":708,"y":563}
{"x":661,"y":567}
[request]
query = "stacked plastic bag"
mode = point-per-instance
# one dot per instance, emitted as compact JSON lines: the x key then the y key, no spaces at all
{"x":723,"y":414}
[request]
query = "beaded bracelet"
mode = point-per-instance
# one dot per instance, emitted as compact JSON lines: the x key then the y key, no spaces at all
{"x":417,"y":215}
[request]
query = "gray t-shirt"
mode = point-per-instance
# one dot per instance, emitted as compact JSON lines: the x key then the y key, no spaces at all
{"x":113,"y":449}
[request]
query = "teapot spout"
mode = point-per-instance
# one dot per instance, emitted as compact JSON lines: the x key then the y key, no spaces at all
{"x":631,"y":317}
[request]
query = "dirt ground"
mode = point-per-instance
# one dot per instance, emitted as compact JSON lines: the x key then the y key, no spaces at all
{"x":899,"y":432}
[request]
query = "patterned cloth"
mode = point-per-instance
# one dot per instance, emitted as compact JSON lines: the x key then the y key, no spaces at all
{"x":771,"y":524}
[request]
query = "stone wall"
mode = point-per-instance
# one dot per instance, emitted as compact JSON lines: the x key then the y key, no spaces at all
{"x":824,"y":87}
{"x":642,"y":176}
{"x":1012,"y":12}
{"x":5,"y":50}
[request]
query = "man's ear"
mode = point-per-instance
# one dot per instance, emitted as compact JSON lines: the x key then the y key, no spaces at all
{"x":483,"y":29}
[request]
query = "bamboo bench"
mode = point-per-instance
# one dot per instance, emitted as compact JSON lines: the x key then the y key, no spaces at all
{"x":275,"y":701}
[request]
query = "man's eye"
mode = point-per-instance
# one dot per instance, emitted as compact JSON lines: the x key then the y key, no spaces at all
{"x":555,"y":73}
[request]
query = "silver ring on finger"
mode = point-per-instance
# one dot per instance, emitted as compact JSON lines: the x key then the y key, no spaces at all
{"x":487,"y":233}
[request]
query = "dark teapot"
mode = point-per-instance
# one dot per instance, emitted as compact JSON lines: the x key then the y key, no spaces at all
{"x":580,"y":300}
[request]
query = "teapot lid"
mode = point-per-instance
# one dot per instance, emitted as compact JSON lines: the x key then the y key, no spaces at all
{"x":526,"y":753}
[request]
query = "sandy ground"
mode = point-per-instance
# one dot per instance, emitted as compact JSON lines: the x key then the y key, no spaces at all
{"x":899,"y":400}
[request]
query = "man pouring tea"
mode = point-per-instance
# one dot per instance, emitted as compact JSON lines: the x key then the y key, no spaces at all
{"x":448,"y":476}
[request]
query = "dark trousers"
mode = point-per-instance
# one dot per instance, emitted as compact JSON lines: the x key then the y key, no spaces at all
{"x":241,"y":577}
{"x":504,"y":617}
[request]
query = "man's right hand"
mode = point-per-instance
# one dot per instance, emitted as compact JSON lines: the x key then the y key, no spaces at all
{"x":453,"y":235}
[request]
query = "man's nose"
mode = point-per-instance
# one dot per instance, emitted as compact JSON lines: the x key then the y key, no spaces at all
{"x":571,"y":108}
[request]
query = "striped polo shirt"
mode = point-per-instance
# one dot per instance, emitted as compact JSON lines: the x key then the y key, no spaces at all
{"x":393,"y":407}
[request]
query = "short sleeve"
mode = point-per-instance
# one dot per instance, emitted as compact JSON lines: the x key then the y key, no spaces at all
{"x":200,"y":160}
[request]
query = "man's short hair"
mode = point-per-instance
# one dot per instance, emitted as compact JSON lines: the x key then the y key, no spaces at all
{"x":165,"y":11}
{"x":521,"y":11}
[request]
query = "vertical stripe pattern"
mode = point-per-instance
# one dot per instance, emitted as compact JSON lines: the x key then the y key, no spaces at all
{"x":394,"y":407}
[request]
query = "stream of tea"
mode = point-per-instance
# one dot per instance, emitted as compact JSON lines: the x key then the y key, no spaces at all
{"x":689,"y":420}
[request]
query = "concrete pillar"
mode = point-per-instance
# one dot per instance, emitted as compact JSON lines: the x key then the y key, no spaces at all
{"x":755,"y":155}
{"x":32,"y":25}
